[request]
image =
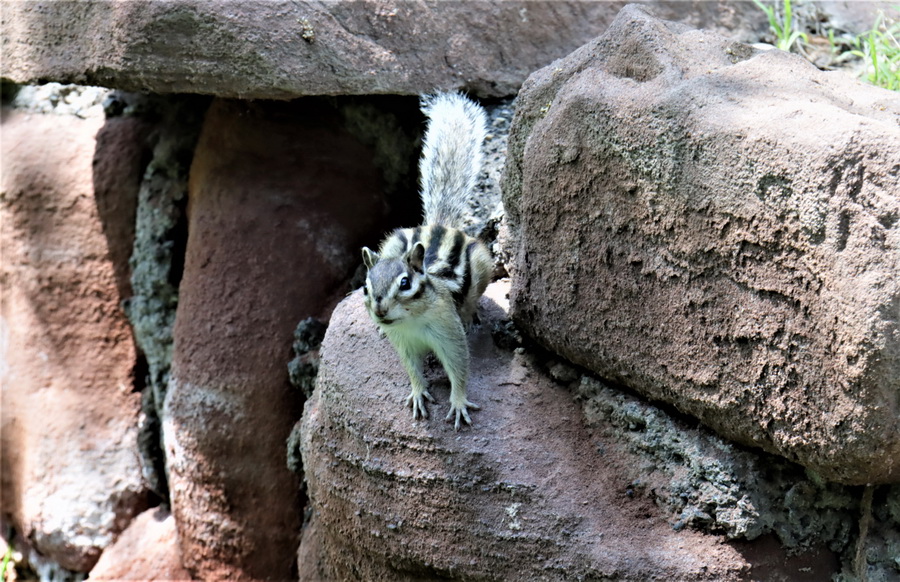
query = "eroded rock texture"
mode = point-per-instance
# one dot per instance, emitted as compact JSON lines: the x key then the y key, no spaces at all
{"x":283,"y":48}
{"x":521,"y":495}
{"x":71,"y":479}
{"x":281,"y":198}
{"x":146,"y":550}
{"x":718,"y":228}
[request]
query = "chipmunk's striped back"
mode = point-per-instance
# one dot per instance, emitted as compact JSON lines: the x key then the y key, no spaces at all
{"x":452,"y":259}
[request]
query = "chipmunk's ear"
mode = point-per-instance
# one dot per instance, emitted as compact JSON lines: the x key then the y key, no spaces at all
{"x":416,"y":258}
{"x":370,"y":257}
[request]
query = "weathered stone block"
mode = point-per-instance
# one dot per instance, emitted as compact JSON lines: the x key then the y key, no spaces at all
{"x":521,"y":495}
{"x":718,"y":228}
{"x":281,"y":198}
{"x":71,"y":479}
{"x":536,"y":489}
{"x":283,"y":48}
{"x":146,"y":550}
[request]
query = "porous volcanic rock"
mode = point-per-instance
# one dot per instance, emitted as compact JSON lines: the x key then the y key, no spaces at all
{"x":146,"y":550}
{"x":70,"y":473}
{"x":281,"y":199}
{"x":284,"y":48}
{"x":718,"y":228}
{"x":521,"y":495}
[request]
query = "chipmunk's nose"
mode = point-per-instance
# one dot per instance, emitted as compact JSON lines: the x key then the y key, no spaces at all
{"x":380,"y":311}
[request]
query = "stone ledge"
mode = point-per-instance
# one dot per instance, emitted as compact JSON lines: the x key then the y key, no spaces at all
{"x":282,"y":49}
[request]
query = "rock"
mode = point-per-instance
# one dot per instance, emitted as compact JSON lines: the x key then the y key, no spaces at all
{"x":284,"y":49}
{"x":282,"y":196}
{"x":309,"y":565}
{"x":855,"y":17}
{"x":146,"y":550}
{"x":70,"y":473}
{"x":123,"y":146}
{"x":304,"y":366}
{"x":717,"y":228}
{"x":528,"y":493}
{"x":156,"y":257}
{"x":702,"y":481}
{"x":511,"y":498}
{"x":78,"y":100}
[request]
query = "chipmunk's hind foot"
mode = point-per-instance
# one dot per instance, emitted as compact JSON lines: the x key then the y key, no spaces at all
{"x":417,"y":402}
{"x":461,"y":411}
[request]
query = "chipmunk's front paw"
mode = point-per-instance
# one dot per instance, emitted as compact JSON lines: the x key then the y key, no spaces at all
{"x":461,"y":411}
{"x":417,"y":402}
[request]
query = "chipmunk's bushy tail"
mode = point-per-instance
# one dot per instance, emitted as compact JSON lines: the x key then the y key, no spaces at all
{"x":451,"y":156}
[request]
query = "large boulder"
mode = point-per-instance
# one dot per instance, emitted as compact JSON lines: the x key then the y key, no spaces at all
{"x":285,"y":48}
{"x":531,"y":491}
{"x":71,"y":479}
{"x":281,"y":198}
{"x":718,"y":228}
{"x":521,"y":495}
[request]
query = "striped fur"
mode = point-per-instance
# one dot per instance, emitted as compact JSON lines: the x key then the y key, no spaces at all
{"x":453,"y":261}
{"x":423,"y":284}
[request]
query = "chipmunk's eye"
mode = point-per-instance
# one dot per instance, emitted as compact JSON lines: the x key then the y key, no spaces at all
{"x":404,"y":284}
{"x":365,"y":290}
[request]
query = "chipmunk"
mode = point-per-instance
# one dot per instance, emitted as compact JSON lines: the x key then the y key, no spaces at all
{"x":423,"y":285}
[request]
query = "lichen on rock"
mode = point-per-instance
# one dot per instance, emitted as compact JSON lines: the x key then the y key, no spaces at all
{"x":160,"y":236}
{"x":705,"y":482}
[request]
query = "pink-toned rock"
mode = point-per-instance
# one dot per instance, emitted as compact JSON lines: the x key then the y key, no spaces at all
{"x":70,"y":473}
{"x":284,"y":48}
{"x":717,"y":228}
{"x":146,"y":550}
{"x":281,"y":199}
{"x":527,"y":493}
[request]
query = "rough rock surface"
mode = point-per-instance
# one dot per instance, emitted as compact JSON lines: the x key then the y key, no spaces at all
{"x":529,"y":492}
{"x":123,"y":146}
{"x":284,"y":49}
{"x":281,"y":198}
{"x":146,"y":550}
{"x":70,"y":473}
{"x":156,"y":257}
{"x":720,"y":229}
{"x":705,"y":482}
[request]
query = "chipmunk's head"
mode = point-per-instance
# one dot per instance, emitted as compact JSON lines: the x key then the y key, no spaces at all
{"x":396,"y":288}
